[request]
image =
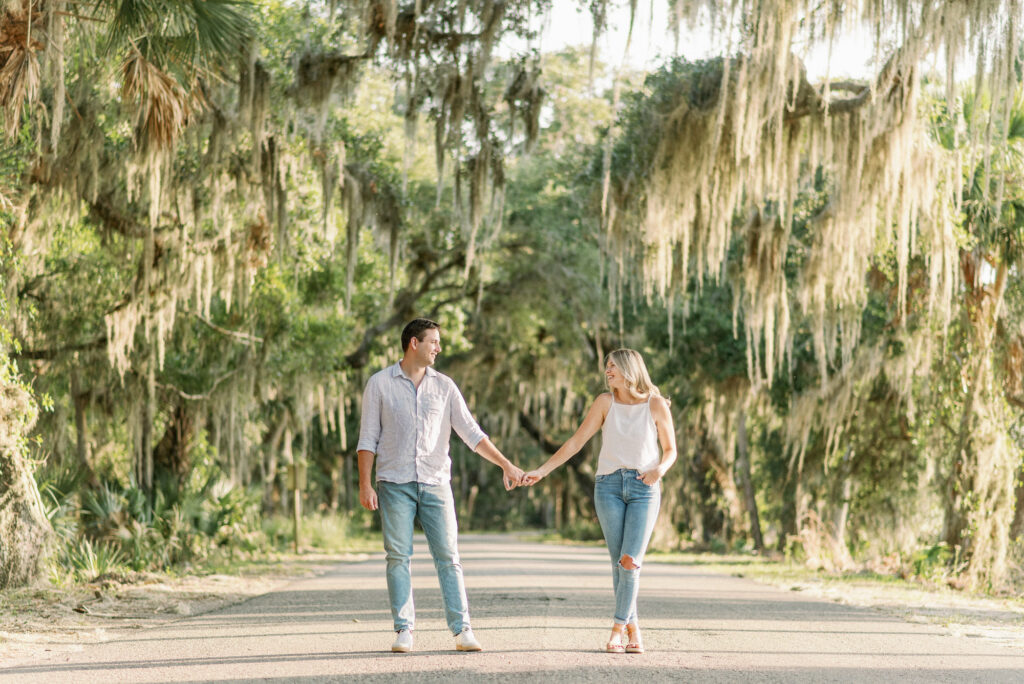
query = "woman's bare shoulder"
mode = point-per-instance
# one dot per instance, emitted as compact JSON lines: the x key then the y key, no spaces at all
{"x":659,"y":404}
{"x":602,"y":402}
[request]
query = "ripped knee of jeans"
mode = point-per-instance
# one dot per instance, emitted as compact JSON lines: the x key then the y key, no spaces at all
{"x":628,"y":563}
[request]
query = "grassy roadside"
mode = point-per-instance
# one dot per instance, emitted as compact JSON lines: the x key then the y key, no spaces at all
{"x":69,"y":611}
{"x":961,"y":613}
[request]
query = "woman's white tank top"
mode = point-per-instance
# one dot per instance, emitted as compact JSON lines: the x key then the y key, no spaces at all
{"x":629,"y":438}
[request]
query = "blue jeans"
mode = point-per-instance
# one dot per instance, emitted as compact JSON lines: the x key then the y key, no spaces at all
{"x":627,"y":509}
{"x":400,"y":505}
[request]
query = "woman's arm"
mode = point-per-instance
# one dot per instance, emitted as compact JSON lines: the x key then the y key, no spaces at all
{"x":666,"y":438}
{"x":590,"y":425}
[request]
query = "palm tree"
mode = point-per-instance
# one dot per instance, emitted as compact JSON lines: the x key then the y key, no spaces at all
{"x":166,"y":49}
{"x":979,"y":502}
{"x":163,"y":49}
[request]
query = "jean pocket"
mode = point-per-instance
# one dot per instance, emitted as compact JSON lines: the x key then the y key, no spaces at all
{"x":601,"y":478}
{"x":639,"y":480}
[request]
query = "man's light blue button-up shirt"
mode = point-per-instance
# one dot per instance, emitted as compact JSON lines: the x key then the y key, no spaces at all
{"x":409,"y":429}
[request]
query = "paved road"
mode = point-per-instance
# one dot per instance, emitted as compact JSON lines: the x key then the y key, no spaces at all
{"x":542,"y":613}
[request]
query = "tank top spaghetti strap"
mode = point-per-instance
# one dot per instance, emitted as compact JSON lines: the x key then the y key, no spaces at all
{"x":629,"y":438}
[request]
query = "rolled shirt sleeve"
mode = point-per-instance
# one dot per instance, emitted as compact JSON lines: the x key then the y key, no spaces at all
{"x":462,"y":420}
{"x":369,"y":422}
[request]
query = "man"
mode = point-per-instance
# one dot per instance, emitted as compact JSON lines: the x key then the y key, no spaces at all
{"x":409,"y":410}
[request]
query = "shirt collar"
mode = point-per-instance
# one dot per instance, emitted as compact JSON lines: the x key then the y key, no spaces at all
{"x":396,"y":371}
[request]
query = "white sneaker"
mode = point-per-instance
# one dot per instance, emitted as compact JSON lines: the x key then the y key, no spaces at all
{"x":467,"y":642}
{"x":403,"y":642}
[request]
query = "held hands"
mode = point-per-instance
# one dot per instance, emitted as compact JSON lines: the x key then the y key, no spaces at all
{"x":649,"y":478}
{"x":524,"y":479}
{"x":515,"y":477}
{"x":512,"y":477}
{"x":533,"y":477}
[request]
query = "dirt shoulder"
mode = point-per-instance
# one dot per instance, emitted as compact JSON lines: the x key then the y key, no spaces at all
{"x":44,"y":619}
{"x":960,"y":613}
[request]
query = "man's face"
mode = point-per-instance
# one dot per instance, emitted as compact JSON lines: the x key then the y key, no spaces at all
{"x":429,"y":347}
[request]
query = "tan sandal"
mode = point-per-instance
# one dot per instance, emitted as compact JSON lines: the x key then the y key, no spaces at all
{"x":636,"y":644}
{"x":614,"y":644}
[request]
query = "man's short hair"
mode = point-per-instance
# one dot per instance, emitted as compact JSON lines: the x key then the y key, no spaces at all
{"x":416,"y":328}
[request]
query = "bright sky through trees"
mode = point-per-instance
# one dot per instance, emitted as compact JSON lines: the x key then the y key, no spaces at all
{"x":653,"y":42}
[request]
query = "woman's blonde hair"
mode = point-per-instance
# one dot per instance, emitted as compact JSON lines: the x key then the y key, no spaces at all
{"x":634,"y":371}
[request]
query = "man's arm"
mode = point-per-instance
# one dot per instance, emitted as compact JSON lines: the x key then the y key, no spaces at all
{"x":513,"y":475}
{"x":475,"y":438}
{"x":366,"y":449}
{"x":367,"y":494}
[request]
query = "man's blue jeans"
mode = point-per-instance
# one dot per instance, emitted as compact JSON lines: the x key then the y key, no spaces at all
{"x":627,"y":509}
{"x":400,"y":505}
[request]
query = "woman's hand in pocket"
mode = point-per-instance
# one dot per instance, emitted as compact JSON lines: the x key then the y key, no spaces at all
{"x":651,"y":477}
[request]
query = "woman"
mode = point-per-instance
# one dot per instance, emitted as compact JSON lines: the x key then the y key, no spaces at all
{"x":634,"y":419}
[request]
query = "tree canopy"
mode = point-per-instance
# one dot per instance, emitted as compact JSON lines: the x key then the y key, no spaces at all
{"x":217,"y":215}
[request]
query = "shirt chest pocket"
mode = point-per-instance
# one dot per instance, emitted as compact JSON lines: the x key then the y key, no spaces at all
{"x":432,"y":405}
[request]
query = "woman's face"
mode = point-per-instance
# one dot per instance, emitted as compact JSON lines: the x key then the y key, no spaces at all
{"x":614,"y":376}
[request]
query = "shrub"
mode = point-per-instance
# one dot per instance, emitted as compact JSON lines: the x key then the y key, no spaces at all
{"x":89,"y":560}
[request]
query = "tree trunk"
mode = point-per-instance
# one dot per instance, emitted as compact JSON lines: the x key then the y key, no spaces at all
{"x":26,"y":536}
{"x":346,"y":480}
{"x":746,"y":481}
{"x":289,"y":459}
{"x":568,"y":507}
{"x":725,"y":521}
{"x":1017,"y":526}
{"x":172,"y":454}
{"x":25,"y":533}
{"x":144,"y":457}
{"x":980,"y":487}
{"x":841,"y":552}
{"x":268,"y":463}
{"x":583,"y":474}
{"x":846,"y":492}
{"x":334,"y":488}
{"x":80,"y":398}
{"x":559,"y":499}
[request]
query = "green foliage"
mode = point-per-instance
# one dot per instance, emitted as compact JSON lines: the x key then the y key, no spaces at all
{"x":644,"y":110}
{"x":328,"y":532}
{"x":89,"y":561}
{"x":932,"y":562}
{"x":181,"y":525}
{"x":184,"y":37}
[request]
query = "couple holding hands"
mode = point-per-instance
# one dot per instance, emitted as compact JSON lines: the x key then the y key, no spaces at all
{"x":408,"y":412}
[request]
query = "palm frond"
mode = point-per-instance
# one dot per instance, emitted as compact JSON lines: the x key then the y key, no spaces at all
{"x":130,"y":20}
{"x":164,"y":103}
{"x":190,"y":36}
{"x":221,"y":27}
{"x":19,"y":81}
{"x":169,"y":46}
